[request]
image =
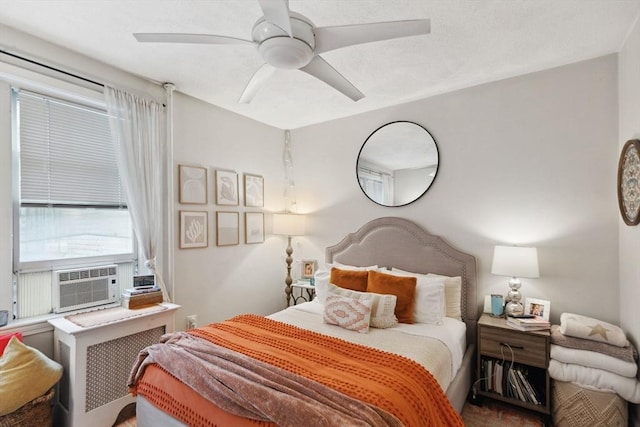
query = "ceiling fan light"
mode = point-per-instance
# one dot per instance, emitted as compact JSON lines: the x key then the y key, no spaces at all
{"x":285,"y":52}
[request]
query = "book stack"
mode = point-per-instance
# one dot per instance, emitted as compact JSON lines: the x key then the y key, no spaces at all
{"x":133,"y":298}
{"x":510,"y":380}
{"x":528,"y":324}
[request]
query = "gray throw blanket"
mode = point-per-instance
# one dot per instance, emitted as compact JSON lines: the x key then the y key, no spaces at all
{"x":628,"y":354}
{"x":252,"y":389}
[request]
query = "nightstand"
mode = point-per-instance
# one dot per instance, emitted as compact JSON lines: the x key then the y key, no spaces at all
{"x":512,"y":365}
{"x":306,"y":292}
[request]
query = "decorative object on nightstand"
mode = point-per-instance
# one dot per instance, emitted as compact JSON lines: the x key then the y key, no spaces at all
{"x":288,"y":224}
{"x":538,"y":307}
{"x":308,"y":269}
{"x":512,"y":365}
{"x":516,"y":262}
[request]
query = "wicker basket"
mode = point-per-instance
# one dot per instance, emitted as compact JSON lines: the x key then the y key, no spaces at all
{"x":37,"y":413}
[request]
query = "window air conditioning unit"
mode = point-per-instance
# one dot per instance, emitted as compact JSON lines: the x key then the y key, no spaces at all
{"x":84,"y":287}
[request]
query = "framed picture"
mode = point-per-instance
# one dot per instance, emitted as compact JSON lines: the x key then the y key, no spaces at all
{"x":629,"y":182}
{"x":227,"y":228}
{"x":253,"y":227}
{"x":226,"y":188}
{"x":253,"y":190}
{"x":538,"y":307}
{"x":192,"y":187}
{"x":308,"y":268}
{"x":193,"y":229}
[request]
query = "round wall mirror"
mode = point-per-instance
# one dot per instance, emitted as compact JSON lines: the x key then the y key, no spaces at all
{"x":397,"y":163}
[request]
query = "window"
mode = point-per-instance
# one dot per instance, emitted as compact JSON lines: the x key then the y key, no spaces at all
{"x":377,"y":185}
{"x":71,"y":209}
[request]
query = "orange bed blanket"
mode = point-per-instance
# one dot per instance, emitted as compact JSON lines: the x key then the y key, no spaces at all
{"x":390,"y":382}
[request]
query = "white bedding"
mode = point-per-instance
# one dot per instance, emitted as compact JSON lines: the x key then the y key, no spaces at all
{"x":450,"y":336}
{"x":592,"y":359}
{"x":627,"y":388}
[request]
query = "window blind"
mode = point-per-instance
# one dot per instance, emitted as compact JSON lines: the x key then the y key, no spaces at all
{"x":67,"y":156}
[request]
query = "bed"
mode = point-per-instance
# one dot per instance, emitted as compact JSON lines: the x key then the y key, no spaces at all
{"x":386,"y":388}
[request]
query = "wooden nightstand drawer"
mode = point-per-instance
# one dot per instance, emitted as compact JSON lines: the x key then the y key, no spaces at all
{"x":496,"y":341}
{"x":529,"y":349}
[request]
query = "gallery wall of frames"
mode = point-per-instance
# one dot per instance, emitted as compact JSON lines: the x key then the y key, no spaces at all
{"x":229,"y":189}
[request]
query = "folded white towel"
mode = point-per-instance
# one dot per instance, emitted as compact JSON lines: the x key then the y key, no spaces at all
{"x":588,"y":328}
{"x":627,"y":388}
{"x":592,"y":359}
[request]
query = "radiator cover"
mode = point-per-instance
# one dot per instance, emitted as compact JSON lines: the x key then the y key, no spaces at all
{"x":97,"y":361}
{"x":109,"y":364}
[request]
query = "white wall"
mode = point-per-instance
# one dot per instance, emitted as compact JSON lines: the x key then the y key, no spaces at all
{"x":528,"y":161}
{"x":219,"y":282}
{"x":629,"y":237}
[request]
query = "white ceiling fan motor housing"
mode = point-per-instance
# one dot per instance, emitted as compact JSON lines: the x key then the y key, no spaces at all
{"x":281,"y":51}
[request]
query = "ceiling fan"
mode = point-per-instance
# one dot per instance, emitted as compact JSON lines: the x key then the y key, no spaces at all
{"x":289,"y":40}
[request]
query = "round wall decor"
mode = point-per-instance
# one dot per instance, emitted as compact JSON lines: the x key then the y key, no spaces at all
{"x":629,"y":182}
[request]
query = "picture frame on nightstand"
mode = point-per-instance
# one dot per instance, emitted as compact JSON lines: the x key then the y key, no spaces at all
{"x":537,"y":307}
{"x":308,"y":268}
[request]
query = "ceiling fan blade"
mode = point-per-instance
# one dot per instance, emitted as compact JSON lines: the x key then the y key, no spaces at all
{"x":188,"y":38}
{"x":331,"y":38}
{"x":255,"y":83}
{"x":320,"y":69}
{"x":277,"y":13}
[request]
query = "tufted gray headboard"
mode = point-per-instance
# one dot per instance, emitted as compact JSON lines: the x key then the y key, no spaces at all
{"x":400,"y":243}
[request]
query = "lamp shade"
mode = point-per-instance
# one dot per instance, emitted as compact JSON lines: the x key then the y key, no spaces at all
{"x":515,"y":261}
{"x":288,"y":224}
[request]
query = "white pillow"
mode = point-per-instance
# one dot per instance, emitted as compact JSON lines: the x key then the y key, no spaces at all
{"x":348,"y":313}
{"x":322,"y":276}
{"x":429,"y":300}
{"x":382,"y":306}
{"x":452,"y":292}
{"x":452,"y":295}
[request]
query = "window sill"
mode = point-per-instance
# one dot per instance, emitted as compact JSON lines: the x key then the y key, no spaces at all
{"x":40,"y":324}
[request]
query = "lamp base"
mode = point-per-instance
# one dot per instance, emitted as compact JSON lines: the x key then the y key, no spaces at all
{"x":514,"y":308}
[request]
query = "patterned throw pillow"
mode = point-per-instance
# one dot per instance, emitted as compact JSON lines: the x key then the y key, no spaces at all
{"x":347,"y":313}
{"x":382,"y":306}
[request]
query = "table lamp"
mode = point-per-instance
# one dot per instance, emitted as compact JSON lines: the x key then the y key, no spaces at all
{"x":288,"y":224}
{"x":516,"y":262}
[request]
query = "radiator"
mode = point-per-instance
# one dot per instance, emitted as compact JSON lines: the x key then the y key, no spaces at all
{"x":109,"y":364}
{"x":97,"y":361}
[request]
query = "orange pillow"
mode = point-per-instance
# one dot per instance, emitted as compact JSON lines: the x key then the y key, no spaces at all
{"x":402,"y":287}
{"x":356,"y":280}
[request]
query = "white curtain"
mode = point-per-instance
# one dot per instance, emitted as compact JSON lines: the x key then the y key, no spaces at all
{"x":387,"y":190}
{"x":135,"y":126}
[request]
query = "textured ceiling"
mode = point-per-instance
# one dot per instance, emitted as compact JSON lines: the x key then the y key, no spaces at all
{"x":471,"y":42}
